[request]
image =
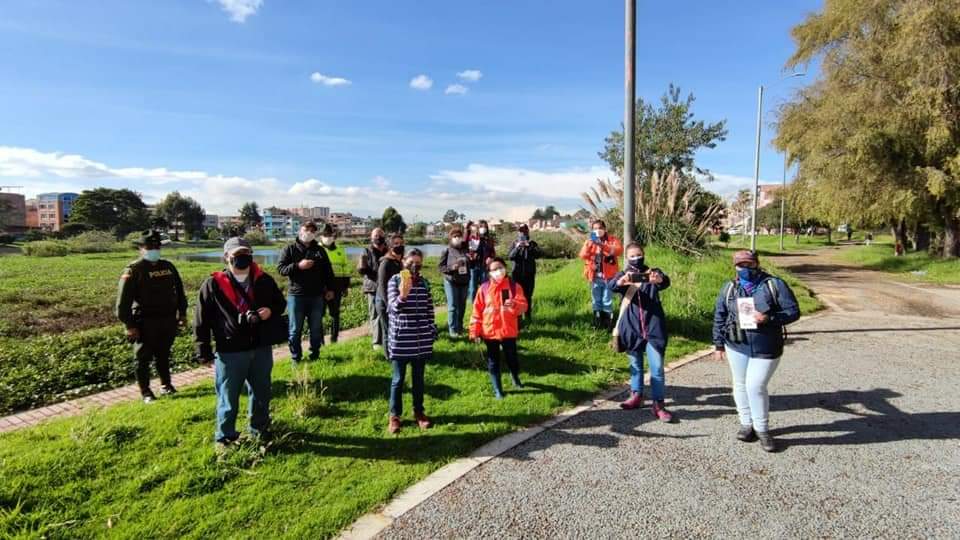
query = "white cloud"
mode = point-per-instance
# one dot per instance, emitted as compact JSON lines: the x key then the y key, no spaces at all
{"x":421,"y":82}
{"x":478,"y":190}
{"x":470,"y":75}
{"x":239,"y":10}
{"x":457,"y":89}
{"x":320,"y":78}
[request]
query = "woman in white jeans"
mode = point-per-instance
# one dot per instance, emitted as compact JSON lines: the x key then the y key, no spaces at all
{"x":748,"y":322}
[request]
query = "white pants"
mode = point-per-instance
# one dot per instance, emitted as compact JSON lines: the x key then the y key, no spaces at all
{"x":750,"y":378}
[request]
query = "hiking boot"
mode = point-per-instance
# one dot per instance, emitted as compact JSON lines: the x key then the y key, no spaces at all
{"x":633,"y":402}
{"x":746,"y":434}
{"x":394,"y":425}
{"x":167,"y":390}
{"x":597,"y":320}
{"x":148,"y":397}
{"x":314,"y":356}
{"x":497,"y":387}
{"x":423,"y":421}
{"x":766,"y":441}
{"x":660,"y":411}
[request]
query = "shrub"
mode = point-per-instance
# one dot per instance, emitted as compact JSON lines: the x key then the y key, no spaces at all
{"x":257,"y":238}
{"x":6,"y":238}
{"x":94,"y":242}
{"x":725,"y":237}
{"x":553,"y":244}
{"x":51,"y":368}
{"x":73,"y":229}
{"x":35,"y":235}
{"x":46,"y":248}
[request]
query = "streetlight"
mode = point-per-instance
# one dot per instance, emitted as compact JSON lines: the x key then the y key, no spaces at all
{"x":629,"y":116}
{"x":756,"y":162}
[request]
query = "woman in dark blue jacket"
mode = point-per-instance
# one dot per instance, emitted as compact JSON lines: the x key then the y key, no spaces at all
{"x":642,"y":328}
{"x":748,"y":323}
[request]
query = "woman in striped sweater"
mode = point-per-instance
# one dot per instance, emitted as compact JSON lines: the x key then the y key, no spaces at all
{"x":412,"y":331}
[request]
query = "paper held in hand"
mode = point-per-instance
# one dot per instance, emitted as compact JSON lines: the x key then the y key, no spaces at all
{"x":746,"y":310}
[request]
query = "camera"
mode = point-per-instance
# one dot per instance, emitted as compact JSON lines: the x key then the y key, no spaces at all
{"x":638,"y":277}
{"x":249,"y":317}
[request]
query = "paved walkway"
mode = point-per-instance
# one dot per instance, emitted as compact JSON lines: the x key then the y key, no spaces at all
{"x":864,"y":404}
{"x":131,"y":392}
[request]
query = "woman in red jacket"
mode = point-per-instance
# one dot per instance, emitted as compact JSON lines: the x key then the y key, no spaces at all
{"x":496,"y":312}
{"x":600,"y":253}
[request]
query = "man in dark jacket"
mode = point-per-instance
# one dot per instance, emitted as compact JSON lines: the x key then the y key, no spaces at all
{"x":152,"y":306}
{"x":642,"y":328}
{"x":748,"y":322}
{"x":234,"y":305}
{"x":369,"y":264}
{"x":524,"y":253}
{"x":454,"y":266}
{"x":390,"y":265}
{"x":308,"y":268}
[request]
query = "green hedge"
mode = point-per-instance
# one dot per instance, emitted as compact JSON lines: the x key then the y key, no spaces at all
{"x":46,"y":248}
{"x":554,"y":244}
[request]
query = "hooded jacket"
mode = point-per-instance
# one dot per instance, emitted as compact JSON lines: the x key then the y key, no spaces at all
{"x":768,"y":339}
{"x":644,"y":320}
{"x":491,"y":320}
{"x":601,"y":256}
{"x":311,"y":282}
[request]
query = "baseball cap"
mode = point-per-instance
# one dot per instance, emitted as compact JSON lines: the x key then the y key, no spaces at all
{"x":232,"y":245}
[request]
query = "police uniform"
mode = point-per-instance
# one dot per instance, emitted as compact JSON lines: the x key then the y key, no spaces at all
{"x":342,"y":270}
{"x":150,"y":298}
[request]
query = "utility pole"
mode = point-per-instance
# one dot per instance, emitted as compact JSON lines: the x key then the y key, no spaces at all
{"x":756,"y":174}
{"x":629,"y":113}
{"x":783,"y":200}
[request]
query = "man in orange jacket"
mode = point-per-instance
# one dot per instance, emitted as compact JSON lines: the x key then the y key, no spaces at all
{"x":496,"y":312}
{"x":600,"y":253}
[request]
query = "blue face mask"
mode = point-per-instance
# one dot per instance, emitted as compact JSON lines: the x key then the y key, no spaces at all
{"x":152,"y":255}
{"x":747,"y":274}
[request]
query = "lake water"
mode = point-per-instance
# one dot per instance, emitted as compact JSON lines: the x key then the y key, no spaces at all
{"x":271,"y":256}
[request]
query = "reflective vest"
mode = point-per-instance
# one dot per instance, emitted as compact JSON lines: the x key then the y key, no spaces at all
{"x":339,"y":261}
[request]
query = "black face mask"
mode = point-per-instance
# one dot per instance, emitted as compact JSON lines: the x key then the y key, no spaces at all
{"x":398,"y":250}
{"x":242,"y":262}
{"x":379,"y":241}
{"x":636,"y":262}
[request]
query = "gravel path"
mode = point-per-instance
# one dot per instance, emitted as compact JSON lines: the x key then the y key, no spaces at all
{"x":869,"y":424}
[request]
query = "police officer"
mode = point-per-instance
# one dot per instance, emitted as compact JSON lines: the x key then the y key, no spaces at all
{"x":152,"y":305}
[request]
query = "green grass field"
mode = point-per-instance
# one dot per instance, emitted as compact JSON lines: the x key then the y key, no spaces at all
{"x":912,"y":266}
{"x":770,"y":244}
{"x":137,"y":470}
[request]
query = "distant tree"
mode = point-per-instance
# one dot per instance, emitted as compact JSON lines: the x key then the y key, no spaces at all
{"x":550,"y":212}
{"x":417,"y":230}
{"x":181,"y":212}
{"x":393,"y":221}
{"x":250,"y":215}
{"x":537,"y":215}
{"x":120,"y":211}
{"x":451,"y":216}
{"x":581,"y":214}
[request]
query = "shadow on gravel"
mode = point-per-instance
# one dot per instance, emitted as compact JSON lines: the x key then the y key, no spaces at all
{"x":883,"y":423}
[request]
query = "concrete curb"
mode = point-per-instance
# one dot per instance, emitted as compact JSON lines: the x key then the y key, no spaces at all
{"x":373,"y":523}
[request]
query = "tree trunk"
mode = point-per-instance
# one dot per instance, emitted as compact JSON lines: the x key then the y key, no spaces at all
{"x":951,"y":231}
{"x":829,"y":234}
{"x":899,"y":231}
{"x":921,"y":237}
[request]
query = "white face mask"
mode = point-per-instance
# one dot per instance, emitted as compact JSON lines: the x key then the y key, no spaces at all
{"x":483,"y":230}
{"x":497,"y":274}
{"x":307,"y":237}
{"x":456,"y":241}
{"x":326,"y":240}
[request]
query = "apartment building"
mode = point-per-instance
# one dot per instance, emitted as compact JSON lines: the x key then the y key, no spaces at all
{"x":54,"y":209}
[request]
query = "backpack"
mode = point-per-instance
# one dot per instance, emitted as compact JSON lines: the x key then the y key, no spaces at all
{"x":774,"y":295}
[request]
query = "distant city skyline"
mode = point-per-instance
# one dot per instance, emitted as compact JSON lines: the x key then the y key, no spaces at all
{"x":488,"y":109}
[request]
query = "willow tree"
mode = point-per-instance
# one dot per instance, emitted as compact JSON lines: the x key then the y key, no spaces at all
{"x":878,"y":135}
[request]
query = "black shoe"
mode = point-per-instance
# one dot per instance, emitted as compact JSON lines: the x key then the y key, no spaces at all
{"x":167,"y":390}
{"x":148,"y":397}
{"x":766,"y":441}
{"x":516,"y":382}
{"x":597,"y":320}
{"x":746,"y":434}
{"x":314,"y":356}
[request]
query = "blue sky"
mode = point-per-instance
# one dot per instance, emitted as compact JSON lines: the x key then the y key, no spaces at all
{"x":292,"y":103}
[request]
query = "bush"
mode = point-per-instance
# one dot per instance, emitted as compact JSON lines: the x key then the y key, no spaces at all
{"x":52,"y":368}
{"x":725,"y":237}
{"x":35,"y":235}
{"x":553,"y":244}
{"x":46,"y":248}
{"x":95,"y":242}
{"x":6,"y":238}
{"x":257,"y":238}
{"x":73,"y":229}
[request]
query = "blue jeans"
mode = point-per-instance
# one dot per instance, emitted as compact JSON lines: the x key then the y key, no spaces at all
{"x":477,"y":276}
{"x":750,"y":378}
{"x":657,"y":378}
{"x":232,"y":370}
{"x":311,"y":309}
{"x":396,"y":384}
{"x":602,"y":297}
{"x":456,"y":306}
